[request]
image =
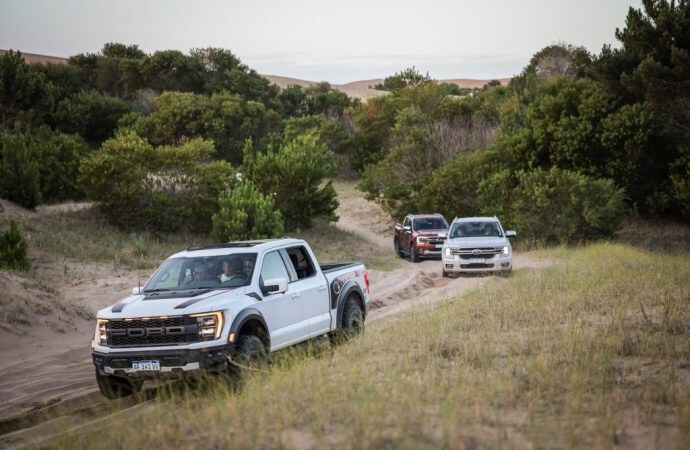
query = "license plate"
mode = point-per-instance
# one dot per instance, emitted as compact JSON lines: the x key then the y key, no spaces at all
{"x":146,"y":366}
{"x":476,"y":261}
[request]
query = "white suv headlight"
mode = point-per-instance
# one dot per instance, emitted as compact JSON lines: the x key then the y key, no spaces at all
{"x":101,"y":332}
{"x":506,"y":250}
{"x":446,"y":251}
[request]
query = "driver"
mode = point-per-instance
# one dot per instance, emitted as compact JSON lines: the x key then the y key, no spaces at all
{"x":232,"y":269}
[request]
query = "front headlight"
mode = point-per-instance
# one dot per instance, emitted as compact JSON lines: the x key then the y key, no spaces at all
{"x":210,"y":325}
{"x":422,"y":240}
{"x":101,"y":331}
{"x":446,"y":251}
{"x":506,"y":250}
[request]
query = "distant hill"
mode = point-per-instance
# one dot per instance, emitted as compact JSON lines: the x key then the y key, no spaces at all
{"x":359,"y":89}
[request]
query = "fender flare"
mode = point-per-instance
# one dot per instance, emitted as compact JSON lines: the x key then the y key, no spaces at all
{"x":349,"y":288}
{"x":245,"y":316}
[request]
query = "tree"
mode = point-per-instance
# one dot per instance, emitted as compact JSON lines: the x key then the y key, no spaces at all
{"x":245,"y":213}
{"x":403,"y":79}
{"x":162,"y":189}
{"x":90,"y":114}
{"x":294,"y":174}
{"x":25,"y":95}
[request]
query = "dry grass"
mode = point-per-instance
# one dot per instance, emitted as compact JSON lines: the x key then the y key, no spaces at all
{"x":84,"y":235}
{"x":591,"y":353}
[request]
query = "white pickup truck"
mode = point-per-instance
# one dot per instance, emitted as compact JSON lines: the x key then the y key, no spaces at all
{"x":219,"y":307}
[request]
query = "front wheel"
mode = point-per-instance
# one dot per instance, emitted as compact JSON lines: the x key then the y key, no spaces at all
{"x":398,"y":250}
{"x":251,"y":354}
{"x":414,"y":253}
{"x":113,"y":387}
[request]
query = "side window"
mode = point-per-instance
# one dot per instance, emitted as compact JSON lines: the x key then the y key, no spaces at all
{"x":273,"y":267}
{"x":301,"y":261}
{"x":407,"y":222}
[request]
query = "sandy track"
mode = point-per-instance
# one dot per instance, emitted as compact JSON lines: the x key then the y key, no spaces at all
{"x":55,"y":391}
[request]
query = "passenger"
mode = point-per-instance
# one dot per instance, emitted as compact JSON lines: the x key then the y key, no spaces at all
{"x":197,"y":275}
{"x":232,"y":269}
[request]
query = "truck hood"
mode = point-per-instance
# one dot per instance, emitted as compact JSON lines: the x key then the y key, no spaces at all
{"x":476,"y":242}
{"x":153,"y":306}
{"x":443,"y":232}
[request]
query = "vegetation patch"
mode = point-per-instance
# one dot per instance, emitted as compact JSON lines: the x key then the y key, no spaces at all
{"x":592,"y":352}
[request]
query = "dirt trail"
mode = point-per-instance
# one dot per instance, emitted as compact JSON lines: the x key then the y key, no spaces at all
{"x":46,"y":378}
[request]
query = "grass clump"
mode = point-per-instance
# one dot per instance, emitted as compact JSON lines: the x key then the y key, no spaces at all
{"x":592,"y":352}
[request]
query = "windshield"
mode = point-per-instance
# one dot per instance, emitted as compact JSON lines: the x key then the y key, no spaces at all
{"x":215,"y":272}
{"x":475,"y":229}
{"x":430,"y":223}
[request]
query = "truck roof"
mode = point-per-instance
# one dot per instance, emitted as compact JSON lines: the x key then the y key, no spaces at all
{"x":475,"y":219}
{"x":236,"y":247}
{"x":422,"y":216}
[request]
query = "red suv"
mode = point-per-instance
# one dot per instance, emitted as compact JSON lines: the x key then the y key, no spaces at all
{"x":420,"y":236}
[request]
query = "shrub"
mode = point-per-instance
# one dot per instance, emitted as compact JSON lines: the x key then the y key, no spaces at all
{"x":40,"y":166}
{"x":294,"y":173}
{"x":91,"y":114}
{"x":162,"y":189}
{"x":13,"y":249}
{"x":553,"y":205}
{"x":19,"y":171}
{"x":245,"y":213}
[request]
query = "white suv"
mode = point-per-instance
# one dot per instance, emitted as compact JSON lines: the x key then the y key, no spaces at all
{"x":477,"y":244}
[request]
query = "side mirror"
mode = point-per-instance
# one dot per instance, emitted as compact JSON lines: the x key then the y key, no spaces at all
{"x":275,"y":286}
{"x":136,"y":290}
{"x":511,"y":234}
{"x":407,"y":228}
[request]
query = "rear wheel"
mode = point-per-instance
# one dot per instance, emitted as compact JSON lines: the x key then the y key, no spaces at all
{"x":353,"y":320}
{"x":113,"y":387}
{"x":251,"y":354}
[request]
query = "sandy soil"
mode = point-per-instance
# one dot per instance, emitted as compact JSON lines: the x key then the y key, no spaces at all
{"x":46,"y":374}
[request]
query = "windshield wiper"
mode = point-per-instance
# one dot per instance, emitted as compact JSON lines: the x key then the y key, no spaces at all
{"x":156,"y":290}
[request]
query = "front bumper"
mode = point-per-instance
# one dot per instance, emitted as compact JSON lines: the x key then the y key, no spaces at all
{"x":499,"y":263}
{"x":172,"y":362}
{"x":428,"y":251}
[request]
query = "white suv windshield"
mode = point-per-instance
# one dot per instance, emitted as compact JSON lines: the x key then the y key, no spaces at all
{"x":203,"y":272}
{"x":475,"y":229}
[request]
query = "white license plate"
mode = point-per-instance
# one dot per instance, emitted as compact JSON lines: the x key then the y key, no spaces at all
{"x":146,"y":366}
{"x":476,"y":261}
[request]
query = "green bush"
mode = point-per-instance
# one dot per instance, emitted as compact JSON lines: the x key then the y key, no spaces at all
{"x":13,"y":249}
{"x":39,"y":166}
{"x":161,"y":189}
{"x":245,"y":213}
{"x":294,"y":173}
{"x":553,"y":205}
{"x":19,"y":170}
{"x":91,"y":114}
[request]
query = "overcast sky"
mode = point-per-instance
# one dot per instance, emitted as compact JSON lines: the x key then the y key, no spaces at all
{"x":322,"y":39}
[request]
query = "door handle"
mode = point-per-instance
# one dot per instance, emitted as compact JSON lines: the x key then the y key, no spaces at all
{"x":296,"y":295}
{"x":323,"y":288}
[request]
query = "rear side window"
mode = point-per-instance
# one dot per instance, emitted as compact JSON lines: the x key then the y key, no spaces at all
{"x":304,"y":267}
{"x":273,"y":267}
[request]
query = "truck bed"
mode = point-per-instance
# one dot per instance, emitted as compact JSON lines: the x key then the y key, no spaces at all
{"x":326,"y":268}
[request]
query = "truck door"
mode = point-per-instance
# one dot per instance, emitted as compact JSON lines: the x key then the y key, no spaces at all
{"x":313,"y":291}
{"x":281,"y":312}
{"x":406,"y":233}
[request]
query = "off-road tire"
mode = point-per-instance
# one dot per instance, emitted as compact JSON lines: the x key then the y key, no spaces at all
{"x":250,"y":354}
{"x":353,"y":319}
{"x":414,"y":254}
{"x":445,"y":274}
{"x":113,"y":387}
{"x":398,"y":250}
